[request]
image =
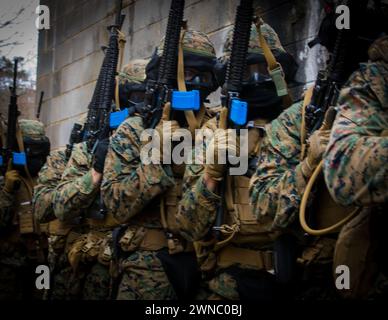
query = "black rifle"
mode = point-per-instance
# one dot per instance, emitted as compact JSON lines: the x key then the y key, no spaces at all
{"x":233,"y":82}
{"x":40,"y":104}
{"x":13,"y":114}
{"x":97,"y":123}
{"x":158,"y":93}
{"x":75,"y":137}
{"x":328,"y":84}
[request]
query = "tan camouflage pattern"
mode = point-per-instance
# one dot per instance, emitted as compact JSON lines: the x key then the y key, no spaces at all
{"x":134,"y":71}
{"x":269,"y":35}
{"x":277,"y":186}
{"x":355,"y":163}
{"x":49,"y":177}
{"x":194,"y":42}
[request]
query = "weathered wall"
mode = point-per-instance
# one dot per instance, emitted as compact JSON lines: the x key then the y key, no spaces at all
{"x":70,"y":52}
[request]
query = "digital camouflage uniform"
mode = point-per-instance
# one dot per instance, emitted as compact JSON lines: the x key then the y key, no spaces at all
{"x":223,"y":266}
{"x":278,"y":184}
{"x":64,"y":284}
{"x":77,"y":198}
{"x":356,"y":168}
{"x":74,"y":197}
{"x":356,"y":173}
{"x":132,"y":192}
{"x":133,"y":72}
{"x":19,"y":251}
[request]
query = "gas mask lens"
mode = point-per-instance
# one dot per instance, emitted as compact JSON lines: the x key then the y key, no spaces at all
{"x":136,"y":97}
{"x":256,"y":74}
{"x":195,"y":77}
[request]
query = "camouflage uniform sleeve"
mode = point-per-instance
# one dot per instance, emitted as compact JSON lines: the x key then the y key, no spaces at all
{"x":198,"y":206}
{"x":355,"y":165}
{"x":76,"y":192}
{"x":48,"y":179}
{"x":278,"y":184}
{"x":128,"y":184}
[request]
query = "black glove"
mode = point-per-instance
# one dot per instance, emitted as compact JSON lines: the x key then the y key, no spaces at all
{"x":100,"y":154}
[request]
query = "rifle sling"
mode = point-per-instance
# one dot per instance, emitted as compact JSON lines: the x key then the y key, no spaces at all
{"x":194,"y":122}
{"x":121,"y":40}
{"x":280,"y":83}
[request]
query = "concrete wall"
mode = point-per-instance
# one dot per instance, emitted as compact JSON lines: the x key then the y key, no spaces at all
{"x":69,"y":54}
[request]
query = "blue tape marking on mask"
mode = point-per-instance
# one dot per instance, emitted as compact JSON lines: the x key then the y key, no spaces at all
{"x":19,"y":158}
{"x":238,"y":112}
{"x":185,"y":100}
{"x":1,"y":161}
{"x":116,"y":118}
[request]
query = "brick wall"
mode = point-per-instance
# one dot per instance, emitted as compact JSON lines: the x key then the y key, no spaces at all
{"x":69,"y":54}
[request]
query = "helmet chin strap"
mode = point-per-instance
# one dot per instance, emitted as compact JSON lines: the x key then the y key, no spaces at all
{"x":193,"y":121}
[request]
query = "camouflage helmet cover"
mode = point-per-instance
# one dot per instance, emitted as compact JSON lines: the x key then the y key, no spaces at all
{"x":134,"y":71}
{"x":194,"y":42}
{"x":254,"y":46}
{"x":198,"y":51}
{"x":32,"y":129}
{"x":256,"y":54}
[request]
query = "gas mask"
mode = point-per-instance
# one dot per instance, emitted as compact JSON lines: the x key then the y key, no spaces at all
{"x":36,"y":154}
{"x":203,"y":81}
{"x":131,"y":94}
{"x":259,"y":91}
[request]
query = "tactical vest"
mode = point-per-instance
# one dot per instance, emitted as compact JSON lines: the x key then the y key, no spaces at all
{"x":244,"y":240}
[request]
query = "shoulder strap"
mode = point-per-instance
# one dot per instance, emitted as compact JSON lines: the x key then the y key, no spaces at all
{"x":121,"y":40}
{"x":274,"y":68}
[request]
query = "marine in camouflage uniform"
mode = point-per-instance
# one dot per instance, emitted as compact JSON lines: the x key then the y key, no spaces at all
{"x":21,"y":245}
{"x":356,"y":170}
{"x":76,"y":201}
{"x":133,"y":191}
{"x":64,"y":285}
{"x":288,"y":160}
{"x":238,"y":264}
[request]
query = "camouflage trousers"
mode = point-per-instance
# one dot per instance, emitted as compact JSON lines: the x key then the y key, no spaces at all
{"x":143,"y":278}
{"x":242,"y":284}
{"x":65,"y":283}
{"x":97,"y":283}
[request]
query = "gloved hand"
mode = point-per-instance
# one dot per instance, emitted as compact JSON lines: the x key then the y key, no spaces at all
{"x":100,"y":155}
{"x":165,"y":129}
{"x":222,"y":144}
{"x":12,"y":181}
{"x":317,"y":146}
